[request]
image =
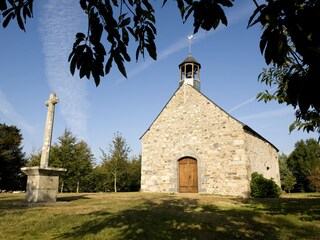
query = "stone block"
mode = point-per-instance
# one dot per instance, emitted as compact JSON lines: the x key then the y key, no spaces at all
{"x":42,"y":183}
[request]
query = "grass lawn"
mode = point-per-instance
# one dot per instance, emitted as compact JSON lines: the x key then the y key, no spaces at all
{"x":160,"y":216}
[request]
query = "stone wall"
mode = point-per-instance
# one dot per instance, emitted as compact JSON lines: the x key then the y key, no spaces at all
{"x":263,"y":157}
{"x":192,"y":125}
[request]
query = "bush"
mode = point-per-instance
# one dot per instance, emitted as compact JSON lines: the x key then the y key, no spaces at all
{"x":263,"y":188}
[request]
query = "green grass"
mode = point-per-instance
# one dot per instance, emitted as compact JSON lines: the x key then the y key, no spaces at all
{"x":160,"y":216}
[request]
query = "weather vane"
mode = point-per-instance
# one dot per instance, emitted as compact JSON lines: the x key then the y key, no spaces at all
{"x":190,"y":42}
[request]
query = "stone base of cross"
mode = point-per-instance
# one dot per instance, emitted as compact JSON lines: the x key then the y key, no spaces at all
{"x":42,"y":183}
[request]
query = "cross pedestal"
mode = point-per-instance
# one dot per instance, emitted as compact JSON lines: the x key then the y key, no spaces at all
{"x":43,"y":181}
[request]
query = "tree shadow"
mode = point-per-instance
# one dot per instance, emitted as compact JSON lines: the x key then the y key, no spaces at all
{"x":181,"y":219}
{"x":17,"y":203}
{"x":72,"y":198}
{"x":307,"y":208}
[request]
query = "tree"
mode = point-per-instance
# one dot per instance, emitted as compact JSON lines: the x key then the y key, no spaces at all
{"x":286,"y":177}
{"x":97,"y":181}
{"x":117,"y":160}
{"x":290,"y":42}
{"x":133,"y":176}
{"x":76,"y":157}
{"x":289,"y":181}
{"x":304,"y":158}
{"x":12,"y":158}
{"x":34,"y":158}
{"x":314,"y":178}
{"x":291,"y":45}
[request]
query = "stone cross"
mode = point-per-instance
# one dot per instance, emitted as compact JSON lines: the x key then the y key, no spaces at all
{"x":48,"y":131}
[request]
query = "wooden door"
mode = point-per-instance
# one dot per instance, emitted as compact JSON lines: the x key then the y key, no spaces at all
{"x":188,"y":175}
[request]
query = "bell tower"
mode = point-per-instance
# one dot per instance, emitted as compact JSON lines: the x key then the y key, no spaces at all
{"x":190,"y":72}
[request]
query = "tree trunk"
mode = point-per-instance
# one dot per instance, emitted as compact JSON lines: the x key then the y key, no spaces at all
{"x":61,"y":190}
{"x":115,"y":183}
{"x":78,"y":186}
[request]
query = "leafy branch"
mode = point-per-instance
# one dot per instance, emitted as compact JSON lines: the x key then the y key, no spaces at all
{"x":291,"y":47}
{"x":16,"y":9}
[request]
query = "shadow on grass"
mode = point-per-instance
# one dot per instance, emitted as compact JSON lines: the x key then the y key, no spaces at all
{"x":16,"y":202}
{"x":9,"y":201}
{"x":72,"y":197}
{"x":186,"y":219}
{"x":308,"y":209}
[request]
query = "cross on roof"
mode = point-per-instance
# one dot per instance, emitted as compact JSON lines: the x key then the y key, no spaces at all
{"x":190,"y":42}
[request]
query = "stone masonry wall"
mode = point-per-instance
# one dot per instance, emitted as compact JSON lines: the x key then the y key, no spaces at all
{"x":192,"y":125}
{"x":263,"y":158}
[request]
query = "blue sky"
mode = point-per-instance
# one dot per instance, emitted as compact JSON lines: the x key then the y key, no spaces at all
{"x":34,"y":63}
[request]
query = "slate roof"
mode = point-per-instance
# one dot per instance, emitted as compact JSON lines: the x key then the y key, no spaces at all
{"x":190,"y":59}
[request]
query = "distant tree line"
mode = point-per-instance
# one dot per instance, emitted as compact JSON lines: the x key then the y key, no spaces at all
{"x":299,"y":171}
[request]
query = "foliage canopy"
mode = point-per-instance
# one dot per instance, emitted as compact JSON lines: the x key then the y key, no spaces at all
{"x":116,"y":161}
{"x":12,"y":158}
{"x":76,"y":157}
{"x":304,"y":158}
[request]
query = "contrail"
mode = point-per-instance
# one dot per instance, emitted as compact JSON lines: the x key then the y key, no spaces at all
{"x":235,"y":15}
{"x":59,"y":22}
{"x":267,"y":114}
{"x":242,"y":104}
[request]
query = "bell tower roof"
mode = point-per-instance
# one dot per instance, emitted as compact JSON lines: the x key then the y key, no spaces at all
{"x":190,"y":72}
{"x":190,"y":59}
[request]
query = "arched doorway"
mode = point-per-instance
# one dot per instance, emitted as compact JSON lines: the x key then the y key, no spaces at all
{"x":188,"y":175}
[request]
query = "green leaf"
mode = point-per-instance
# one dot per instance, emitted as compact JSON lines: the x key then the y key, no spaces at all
{"x":125,"y":22}
{"x":226,"y":3}
{"x":181,"y":7}
{"x":150,"y":24}
{"x":148,"y":5}
{"x":122,"y":48}
{"x":125,"y":36}
{"x":115,"y":2}
{"x":82,"y":72}
{"x":20,"y":22}
{"x":96,"y":78}
{"x":6,"y":12}
{"x":293,"y":126}
{"x":25,"y":13}
{"x":223,"y":17}
{"x":256,"y":11}
{"x":164,"y":2}
{"x":73,"y":62}
{"x":80,"y":35}
{"x":12,"y":2}
{"x":191,"y":9}
{"x":119,"y":61}
{"x":7,"y":20}
{"x":137,"y":53}
{"x":133,"y":33}
{"x":3,"y":5}
{"x":84,"y":6}
{"x":152,"y":51}
{"x":30,"y":5}
{"x":109,"y":64}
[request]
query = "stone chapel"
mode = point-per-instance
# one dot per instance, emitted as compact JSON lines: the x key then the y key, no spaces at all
{"x":194,"y":146}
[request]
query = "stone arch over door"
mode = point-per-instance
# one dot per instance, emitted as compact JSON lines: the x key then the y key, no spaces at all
{"x":188,"y":175}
